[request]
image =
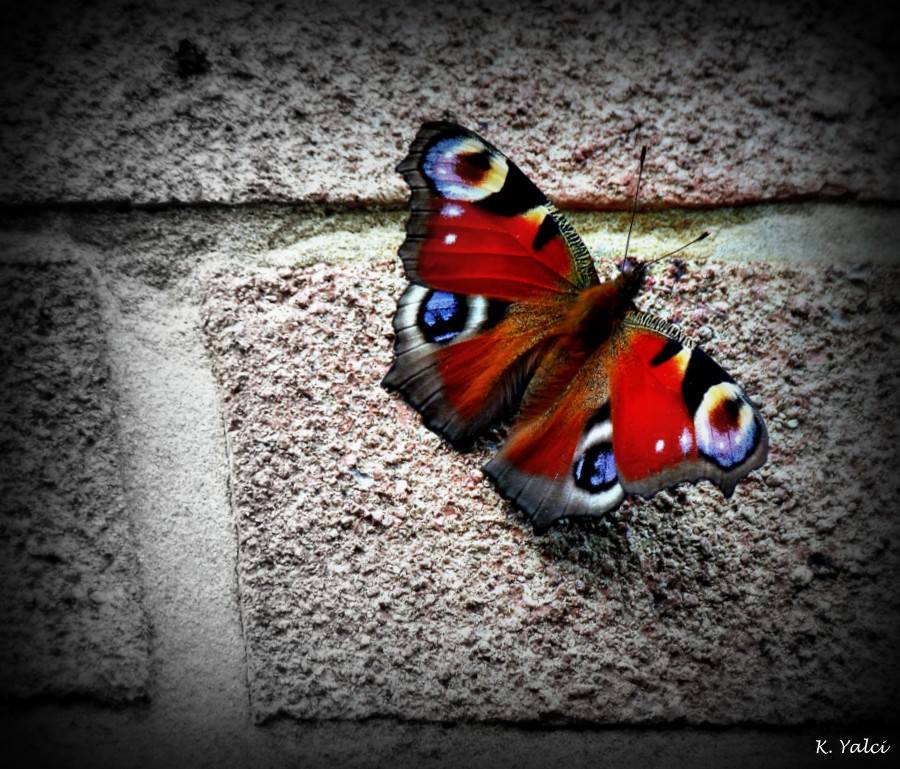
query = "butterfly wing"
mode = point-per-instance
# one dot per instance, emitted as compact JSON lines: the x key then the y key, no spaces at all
{"x":677,"y":414}
{"x":479,"y":226}
{"x":558,"y":461}
{"x":643,"y":412}
{"x":492,"y":267}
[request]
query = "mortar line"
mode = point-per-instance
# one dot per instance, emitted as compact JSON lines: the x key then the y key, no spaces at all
{"x":107,"y":310}
{"x":112,"y":205}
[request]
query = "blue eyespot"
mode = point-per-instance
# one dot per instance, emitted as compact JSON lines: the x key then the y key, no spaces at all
{"x":727,"y":447}
{"x":595,"y":470}
{"x":442,"y":316}
{"x":463,"y":168}
{"x":725,"y":426}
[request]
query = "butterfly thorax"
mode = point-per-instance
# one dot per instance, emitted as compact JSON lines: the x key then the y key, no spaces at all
{"x":599,"y":309}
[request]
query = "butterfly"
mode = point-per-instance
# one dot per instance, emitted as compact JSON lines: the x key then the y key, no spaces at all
{"x":505,"y":315}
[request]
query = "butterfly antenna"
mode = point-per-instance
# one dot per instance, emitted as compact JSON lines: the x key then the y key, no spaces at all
{"x":704,"y":236}
{"x":634,"y":201}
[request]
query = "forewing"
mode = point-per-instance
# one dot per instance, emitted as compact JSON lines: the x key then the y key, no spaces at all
{"x":493,"y":267}
{"x":479,"y":226}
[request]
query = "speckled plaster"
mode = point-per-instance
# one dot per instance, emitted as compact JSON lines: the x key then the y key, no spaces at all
{"x":237,"y":101}
{"x":71,"y":616}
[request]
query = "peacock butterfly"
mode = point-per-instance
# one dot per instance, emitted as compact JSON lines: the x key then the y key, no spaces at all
{"x":505,"y":313}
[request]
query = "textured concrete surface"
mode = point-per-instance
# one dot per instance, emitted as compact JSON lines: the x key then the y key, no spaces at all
{"x":71,"y":619}
{"x":101,"y":739}
{"x":149,"y":274}
{"x":177,"y":474}
{"x":381,"y":575}
{"x":239,"y":101}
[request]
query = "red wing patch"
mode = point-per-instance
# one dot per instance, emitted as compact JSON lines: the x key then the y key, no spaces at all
{"x":468,"y":250}
{"x":676,"y":415}
{"x":478,"y":226}
{"x":653,"y":428}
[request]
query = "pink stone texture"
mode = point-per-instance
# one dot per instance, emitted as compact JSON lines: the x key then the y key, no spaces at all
{"x":381,"y":575}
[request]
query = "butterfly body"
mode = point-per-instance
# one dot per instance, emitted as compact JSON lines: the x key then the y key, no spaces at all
{"x":505,"y":315}
{"x":599,"y":310}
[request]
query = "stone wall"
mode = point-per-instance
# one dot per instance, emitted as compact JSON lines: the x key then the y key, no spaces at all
{"x":222,"y":543}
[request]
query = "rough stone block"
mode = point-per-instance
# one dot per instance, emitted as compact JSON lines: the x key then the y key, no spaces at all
{"x":237,"y":101}
{"x":71,"y":621}
{"x":382,"y":576}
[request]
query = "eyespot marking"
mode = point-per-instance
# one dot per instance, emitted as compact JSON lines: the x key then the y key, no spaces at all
{"x":595,"y":470}
{"x":442,"y":316}
{"x":462,"y":168}
{"x":472,"y":167}
{"x":725,"y":425}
